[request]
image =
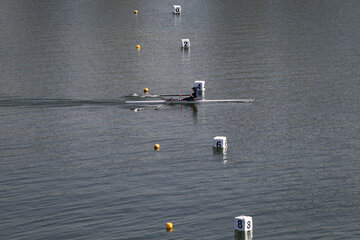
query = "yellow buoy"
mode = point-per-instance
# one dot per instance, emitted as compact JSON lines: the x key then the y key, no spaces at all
{"x":157,"y":147}
{"x":138,"y":47}
{"x":146,"y":90}
{"x":169,"y":227}
{"x":135,"y":11}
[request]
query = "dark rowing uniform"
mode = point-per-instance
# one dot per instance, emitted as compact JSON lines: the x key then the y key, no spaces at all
{"x":193,"y":96}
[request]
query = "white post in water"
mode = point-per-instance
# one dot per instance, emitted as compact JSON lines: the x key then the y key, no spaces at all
{"x":177,"y":9}
{"x":185,"y":43}
{"x":200,"y":85}
{"x":219,"y":142}
{"x":243,"y":226}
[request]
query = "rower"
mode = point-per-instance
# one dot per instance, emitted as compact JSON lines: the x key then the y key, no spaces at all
{"x":192,"y":96}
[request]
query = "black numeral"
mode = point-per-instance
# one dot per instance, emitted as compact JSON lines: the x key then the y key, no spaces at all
{"x":248,"y":225}
{"x":240,"y":224}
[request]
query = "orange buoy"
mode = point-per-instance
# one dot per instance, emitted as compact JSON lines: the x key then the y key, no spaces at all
{"x":169,"y":227}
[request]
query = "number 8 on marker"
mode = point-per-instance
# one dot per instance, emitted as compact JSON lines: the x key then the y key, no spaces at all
{"x":240,"y":226}
{"x":243,"y":223}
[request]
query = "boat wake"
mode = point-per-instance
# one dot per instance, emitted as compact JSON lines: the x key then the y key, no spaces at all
{"x":49,"y":102}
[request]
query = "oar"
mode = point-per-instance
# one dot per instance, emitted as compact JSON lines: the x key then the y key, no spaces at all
{"x":157,"y":96}
{"x":169,"y":95}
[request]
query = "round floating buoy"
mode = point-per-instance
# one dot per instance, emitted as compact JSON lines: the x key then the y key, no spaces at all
{"x":157,"y":147}
{"x":146,"y":90}
{"x":138,"y":47}
{"x":169,"y":227}
{"x":135,"y":11}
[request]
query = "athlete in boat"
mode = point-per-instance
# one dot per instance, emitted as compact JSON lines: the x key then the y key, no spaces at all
{"x":192,"y":96}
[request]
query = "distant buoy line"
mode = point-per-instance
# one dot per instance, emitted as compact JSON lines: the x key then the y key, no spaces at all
{"x":243,"y":225}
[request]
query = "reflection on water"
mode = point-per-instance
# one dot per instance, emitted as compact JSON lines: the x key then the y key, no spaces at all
{"x":243,"y":235}
{"x":192,"y":107}
{"x":220,"y":154}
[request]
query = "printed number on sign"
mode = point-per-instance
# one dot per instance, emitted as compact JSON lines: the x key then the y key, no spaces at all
{"x":218,"y":144}
{"x":185,"y":44}
{"x":240,"y":224}
{"x":177,"y":9}
{"x":248,"y":225}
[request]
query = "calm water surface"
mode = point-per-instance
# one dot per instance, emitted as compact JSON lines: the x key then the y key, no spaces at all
{"x":77,"y":163}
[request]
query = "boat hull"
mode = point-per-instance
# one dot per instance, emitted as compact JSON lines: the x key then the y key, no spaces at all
{"x":192,"y":102}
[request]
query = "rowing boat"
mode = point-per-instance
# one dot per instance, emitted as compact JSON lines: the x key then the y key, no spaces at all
{"x":154,"y":95}
{"x":177,"y":101}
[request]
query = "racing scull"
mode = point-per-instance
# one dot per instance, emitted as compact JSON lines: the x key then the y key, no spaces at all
{"x":176,"y":101}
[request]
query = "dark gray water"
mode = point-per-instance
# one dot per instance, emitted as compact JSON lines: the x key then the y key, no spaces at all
{"x":77,"y":163}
